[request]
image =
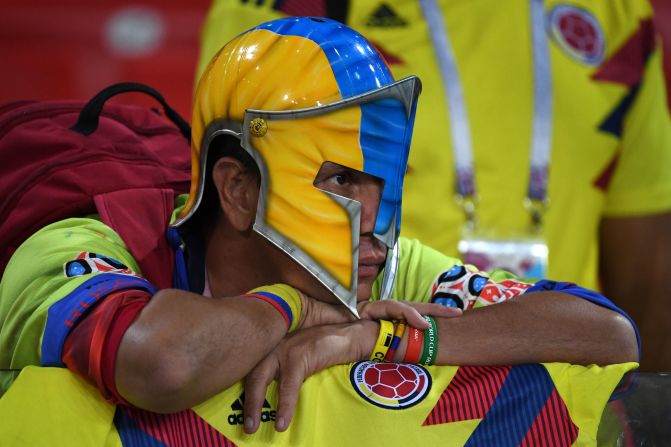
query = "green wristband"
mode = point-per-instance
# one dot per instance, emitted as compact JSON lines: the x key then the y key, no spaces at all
{"x":430,"y":351}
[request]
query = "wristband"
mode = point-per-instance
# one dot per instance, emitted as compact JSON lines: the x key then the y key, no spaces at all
{"x":430,"y":343}
{"x":284,"y":299}
{"x":415,"y":345}
{"x":383,"y":341}
{"x":398,"y":334}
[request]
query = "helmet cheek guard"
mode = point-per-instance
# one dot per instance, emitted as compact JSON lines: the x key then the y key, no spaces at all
{"x":353,"y":115}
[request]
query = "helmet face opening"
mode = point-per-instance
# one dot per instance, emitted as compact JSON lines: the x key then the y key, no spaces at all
{"x":298,"y":94}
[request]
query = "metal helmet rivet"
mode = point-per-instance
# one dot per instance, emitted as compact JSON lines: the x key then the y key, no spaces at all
{"x":258,"y":127}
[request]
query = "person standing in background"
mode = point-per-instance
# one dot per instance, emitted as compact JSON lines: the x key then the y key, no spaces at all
{"x":544,"y":122}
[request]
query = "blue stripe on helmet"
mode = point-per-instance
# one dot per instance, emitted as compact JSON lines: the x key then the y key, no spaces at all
{"x":357,"y":66}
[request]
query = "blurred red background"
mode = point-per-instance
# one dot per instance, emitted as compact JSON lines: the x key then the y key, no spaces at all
{"x":73,"y":48}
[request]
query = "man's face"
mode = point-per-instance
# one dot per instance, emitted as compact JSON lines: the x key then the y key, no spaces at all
{"x":367,"y":190}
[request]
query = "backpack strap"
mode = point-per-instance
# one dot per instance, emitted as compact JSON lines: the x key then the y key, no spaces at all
{"x":141,"y":218}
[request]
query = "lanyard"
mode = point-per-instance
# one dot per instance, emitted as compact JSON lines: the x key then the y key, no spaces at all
{"x":541,"y":138}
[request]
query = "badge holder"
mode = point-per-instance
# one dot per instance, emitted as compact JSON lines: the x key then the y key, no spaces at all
{"x":524,"y":255}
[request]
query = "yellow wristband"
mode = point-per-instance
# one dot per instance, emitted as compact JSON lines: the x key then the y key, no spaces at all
{"x":284,"y":299}
{"x":383,"y":341}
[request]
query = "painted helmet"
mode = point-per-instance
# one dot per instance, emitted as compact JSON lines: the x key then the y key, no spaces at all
{"x":298,"y":92}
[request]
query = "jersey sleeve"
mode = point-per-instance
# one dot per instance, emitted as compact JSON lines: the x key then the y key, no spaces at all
{"x":429,"y":276}
{"x":53,"y":281}
{"x":91,"y":347}
{"x":641,"y":183}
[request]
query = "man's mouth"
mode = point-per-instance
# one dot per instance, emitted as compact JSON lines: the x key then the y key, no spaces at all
{"x":372,"y":254}
{"x":369,"y":270}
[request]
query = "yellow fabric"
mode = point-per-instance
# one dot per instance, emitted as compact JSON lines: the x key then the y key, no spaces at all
{"x":492,"y":47}
{"x":50,"y":406}
{"x":55,"y":407}
{"x":35,"y":280}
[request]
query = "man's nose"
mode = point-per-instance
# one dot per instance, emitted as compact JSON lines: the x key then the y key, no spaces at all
{"x":370,"y":202}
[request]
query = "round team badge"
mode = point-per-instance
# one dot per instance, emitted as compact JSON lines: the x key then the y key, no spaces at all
{"x":390,"y":385}
{"x":578,"y":33}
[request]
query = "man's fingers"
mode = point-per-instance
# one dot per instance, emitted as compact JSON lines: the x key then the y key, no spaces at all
{"x":407,"y":311}
{"x":394,"y":310}
{"x":288,"y":388}
{"x":437,"y":310}
{"x":256,"y":385}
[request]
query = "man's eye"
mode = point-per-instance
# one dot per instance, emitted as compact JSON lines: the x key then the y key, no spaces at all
{"x":340,"y":179}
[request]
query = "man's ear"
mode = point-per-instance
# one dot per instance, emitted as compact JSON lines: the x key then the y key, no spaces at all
{"x":238,"y":191}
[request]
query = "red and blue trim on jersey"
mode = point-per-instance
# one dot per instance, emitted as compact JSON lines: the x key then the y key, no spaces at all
{"x":63,"y":315}
{"x":140,"y":428}
{"x":518,"y":405}
{"x":278,"y":303}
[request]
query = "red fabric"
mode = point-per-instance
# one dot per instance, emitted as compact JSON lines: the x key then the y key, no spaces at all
{"x":49,"y":173}
{"x":627,"y":64}
{"x":91,"y":348}
{"x":141,"y":217}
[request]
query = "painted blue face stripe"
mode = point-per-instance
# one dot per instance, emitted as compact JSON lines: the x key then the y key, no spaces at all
{"x":63,"y":315}
{"x":520,"y":400}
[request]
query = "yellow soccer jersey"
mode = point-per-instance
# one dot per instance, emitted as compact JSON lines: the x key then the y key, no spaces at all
{"x":610,"y":128}
{"x":50,"y":282}
{"x":363,"y":403}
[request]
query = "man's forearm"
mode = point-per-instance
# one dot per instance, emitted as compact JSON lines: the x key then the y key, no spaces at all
{"x":184,"y":348}
{"x":537,"y":327}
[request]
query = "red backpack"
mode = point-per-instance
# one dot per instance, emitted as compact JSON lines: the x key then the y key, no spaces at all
{"x":61,"y":159}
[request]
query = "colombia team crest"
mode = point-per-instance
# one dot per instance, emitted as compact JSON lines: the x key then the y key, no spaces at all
{"x":390,"y":385}
{"x":578,"y":34}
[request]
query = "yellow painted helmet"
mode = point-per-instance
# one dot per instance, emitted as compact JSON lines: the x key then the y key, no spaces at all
{"x":298,"y":92}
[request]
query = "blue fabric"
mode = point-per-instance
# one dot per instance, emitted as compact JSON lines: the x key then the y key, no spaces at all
{"x":130,"y":432}
{"x":64,"y":314}
{"x":516,"y":407}
{"x":180,"y":277}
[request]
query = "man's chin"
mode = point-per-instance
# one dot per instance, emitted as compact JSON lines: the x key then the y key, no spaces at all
{"x":363,"y":291}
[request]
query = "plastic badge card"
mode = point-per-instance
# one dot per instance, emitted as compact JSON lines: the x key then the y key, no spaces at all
{"x":523,"y":257}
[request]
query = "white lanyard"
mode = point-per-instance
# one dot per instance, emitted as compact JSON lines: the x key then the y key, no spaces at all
{"x":541,"y":137}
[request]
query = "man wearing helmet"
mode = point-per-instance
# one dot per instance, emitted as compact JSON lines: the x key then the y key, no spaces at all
{"x":300,"y":143}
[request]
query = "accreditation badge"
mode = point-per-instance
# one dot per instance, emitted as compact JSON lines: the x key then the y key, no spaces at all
{"x":525,"y":256}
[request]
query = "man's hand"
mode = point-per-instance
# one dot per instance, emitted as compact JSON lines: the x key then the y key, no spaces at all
{"x":317,"y":313}
{"x":407,"y":311}
{"x":297,"y":357}
{"x":320,"y":346}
